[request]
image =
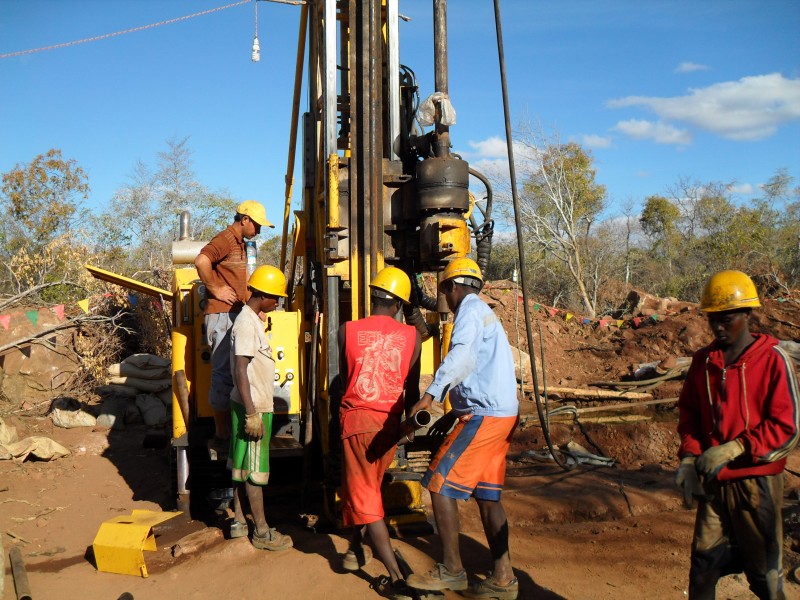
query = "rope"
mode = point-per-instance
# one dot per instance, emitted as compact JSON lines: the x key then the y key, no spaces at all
{"x":108,"y":35}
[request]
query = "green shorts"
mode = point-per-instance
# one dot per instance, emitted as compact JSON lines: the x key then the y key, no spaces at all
{"x":249,"y":459}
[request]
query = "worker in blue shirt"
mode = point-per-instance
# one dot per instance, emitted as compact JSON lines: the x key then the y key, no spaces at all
{"x":478,"y":372}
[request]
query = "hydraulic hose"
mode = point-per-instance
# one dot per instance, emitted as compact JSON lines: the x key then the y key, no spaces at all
{"x":484,"y":233}
{"x":520,"y":246}
{"x":413,"y":314}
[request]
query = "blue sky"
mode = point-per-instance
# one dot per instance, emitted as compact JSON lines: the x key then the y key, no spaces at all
{"x":656,"y":90}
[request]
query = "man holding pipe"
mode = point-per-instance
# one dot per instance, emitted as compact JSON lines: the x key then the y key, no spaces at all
{"x":478,"y":371}
{"x":375,"y":356}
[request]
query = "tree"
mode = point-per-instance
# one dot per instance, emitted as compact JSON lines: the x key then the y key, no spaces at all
{"x":559,"y":202}
{"x":41,"y":200}
{"x":137,"y":230}
{"x":42,"y":248}
{"x":659,"y":221}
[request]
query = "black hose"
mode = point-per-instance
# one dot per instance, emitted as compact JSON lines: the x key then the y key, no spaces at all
{"x":484,"y":233}
{"x":520,"y":246}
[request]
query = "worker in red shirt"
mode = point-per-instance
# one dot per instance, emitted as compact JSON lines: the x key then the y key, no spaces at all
{"x":375,"y":354}
{"x":738,"y":422}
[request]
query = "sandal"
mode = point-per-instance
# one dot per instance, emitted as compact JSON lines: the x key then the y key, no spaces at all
{"x":271,"y":540}
{"x":355,"y":559}
{"x":396,"y":590}
{"x":238,"y":529}
{"x":489,"y":588}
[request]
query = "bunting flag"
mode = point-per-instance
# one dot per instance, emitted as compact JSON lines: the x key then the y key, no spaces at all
{"x":586,"y":320}
{"x":619,"y":323}
{"x":59,"y":311}
{"x":26,"y":350}
{"x":553,"y":312}
{"x":536,"y":307}
{"x":5,"y":321}
{"x":636,"y":321}
{"x":568,"y":317}
{"x":133,"y":299}
{"x":33,"y":316}
{"x":84,"y":304}
{"x":655,"y":318}
{"x":603,"y":323}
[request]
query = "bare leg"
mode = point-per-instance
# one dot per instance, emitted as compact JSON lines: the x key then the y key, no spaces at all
{"x":238,"y":493}
{"x":445,"y":510}
{"x":379,"y":534}
{"x":222,"y":424}
{"x":495,"y":526}
{"x":256,"y":497}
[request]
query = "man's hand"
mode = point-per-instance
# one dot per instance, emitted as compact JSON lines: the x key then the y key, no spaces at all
{"x":687,"y":479}
{"x":224,"y":294}
{"x":254,"y":426}
{"x":423,"y":404}
{"x":443,"y":426}
{"x":712,"y":460}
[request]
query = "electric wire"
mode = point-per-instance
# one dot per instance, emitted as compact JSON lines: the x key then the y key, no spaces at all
{"x":124,"y":31}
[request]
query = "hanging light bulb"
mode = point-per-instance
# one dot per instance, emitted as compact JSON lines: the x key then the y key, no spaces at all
{"x":255,"y":55}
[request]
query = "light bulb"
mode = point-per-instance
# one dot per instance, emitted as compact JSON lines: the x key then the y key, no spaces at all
{"x":256,"y":55}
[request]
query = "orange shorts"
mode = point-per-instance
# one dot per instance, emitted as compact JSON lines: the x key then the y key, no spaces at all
{"x":472,"y":459}
{"x":365,"y":458}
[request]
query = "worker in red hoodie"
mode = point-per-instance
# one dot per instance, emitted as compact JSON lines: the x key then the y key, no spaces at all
{"x":738,"y":422}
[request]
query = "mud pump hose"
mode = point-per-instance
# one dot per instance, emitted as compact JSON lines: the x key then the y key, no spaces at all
{"x":520,"y":246}
{"x":19,"y":574}
{"x":413,"y":315}
{"x":484,"y":233}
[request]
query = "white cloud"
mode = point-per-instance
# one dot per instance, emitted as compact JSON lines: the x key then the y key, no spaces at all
{"x":595,"y":141}
{"x":688,"y":67}
{"x":749,"y":109}
{"x":489,"y":148}
{"x":659,"y":132}
{"x":744,"y":189}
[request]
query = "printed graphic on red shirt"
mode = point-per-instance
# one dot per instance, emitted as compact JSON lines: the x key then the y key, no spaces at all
{"x":380,"y":373}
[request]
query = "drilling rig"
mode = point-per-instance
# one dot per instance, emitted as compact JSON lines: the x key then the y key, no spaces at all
{"x":377,"y":190}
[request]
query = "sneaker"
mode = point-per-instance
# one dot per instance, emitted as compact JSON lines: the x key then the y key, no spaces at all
{"x":238,"y":529}
{"x":489,"y":588}
{"x":272,"y":540}
{"x":439,"y":578}
{"x":218,"y":448}
{"x":355,"y":559}
{"x":396,"y":590}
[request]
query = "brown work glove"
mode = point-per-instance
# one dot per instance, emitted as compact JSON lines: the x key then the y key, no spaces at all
{"x":254,"y":426}
{"x":687,"y":479}
{"x":715,"y":458}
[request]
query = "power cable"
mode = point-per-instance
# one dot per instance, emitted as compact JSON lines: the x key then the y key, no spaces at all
{"x":133,"y":29}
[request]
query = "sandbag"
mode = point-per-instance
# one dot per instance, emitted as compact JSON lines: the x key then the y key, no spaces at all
{"x":145,"y":361}
{"x":166,"y":397}
{"x":112,"y":413}
{"x":143,"y":385}
{"x":129,"y":370}
{"x":114,"y":389}
{"x":41,"y":447}
{"x":153,"y":411}
{"x":68,"y":413}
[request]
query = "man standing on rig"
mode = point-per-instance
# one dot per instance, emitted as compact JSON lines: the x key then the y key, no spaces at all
{"x":222,"y":267}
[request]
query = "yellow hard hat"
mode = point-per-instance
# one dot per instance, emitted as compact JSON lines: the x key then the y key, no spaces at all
{"x":269,"y":280}
{"x":729,"y":290}
{"x":459,"y":269}
{"x":254,"y":210}
{"x":393,"y":281}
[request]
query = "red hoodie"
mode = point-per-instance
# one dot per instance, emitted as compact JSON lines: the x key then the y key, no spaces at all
{"x":754,"y":400}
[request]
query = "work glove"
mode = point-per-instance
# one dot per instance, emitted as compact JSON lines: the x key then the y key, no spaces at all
{"x":687,"y":479}
{"x":712,"y":460}
{"x":254,"y":426}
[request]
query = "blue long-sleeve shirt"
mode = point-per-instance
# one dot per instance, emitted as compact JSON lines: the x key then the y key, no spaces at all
{"x":479,"y":367}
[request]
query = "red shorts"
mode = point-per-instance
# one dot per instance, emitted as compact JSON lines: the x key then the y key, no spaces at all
{"x":365,"y":458}
{"x":472,"y":459}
